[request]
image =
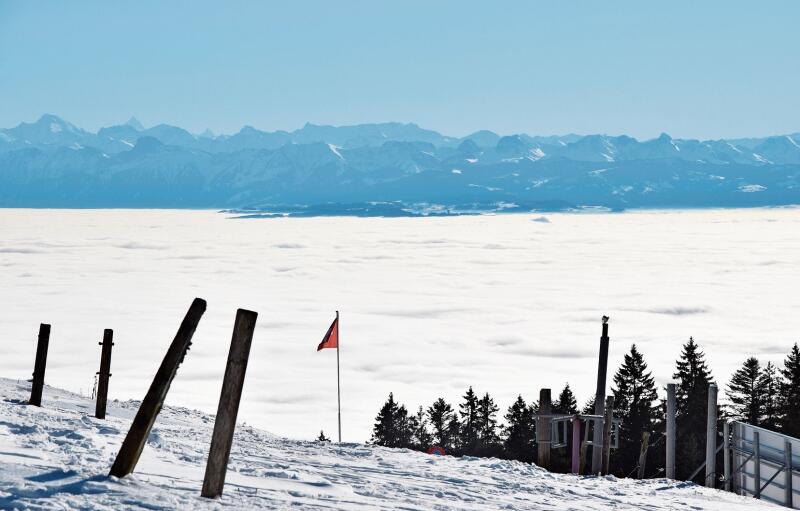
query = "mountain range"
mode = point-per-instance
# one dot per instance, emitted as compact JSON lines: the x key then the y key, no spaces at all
{"x":403,"y":168}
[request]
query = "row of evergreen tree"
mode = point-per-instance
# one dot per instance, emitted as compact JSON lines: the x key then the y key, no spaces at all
{"x":762,"y":395}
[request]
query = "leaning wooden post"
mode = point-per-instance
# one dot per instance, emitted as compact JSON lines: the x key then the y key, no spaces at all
{"x":711,"y":437}
{"x":134,"y":442}
{"x":104,"y":373}
{"x":228,"y":408}
{"x":671,"y":408}
{"x":543,"y":429}
{"x":787,"y":484}
{"x":726,"y":454}
{"x":599,"y":396}
{"x":643,"y":454}
{"x":40,"y":364}
{"x":576,"y":445}
{"x":608,"y":422}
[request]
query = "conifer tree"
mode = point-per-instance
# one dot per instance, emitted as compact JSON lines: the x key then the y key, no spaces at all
{"x":635,"y":398}
{"x":440,"y":414}
{"x":421,"y":437}
{"x":770,"y":383}
{"x":746,"y":393}
{"x":790,"y":393}
{"x":468,"y":410}
{"x":519,"y":432}
{"x":693,"y":378}
{"x":486,"y":418}
{"x":566,"y":403}
{"x":392,"y":427}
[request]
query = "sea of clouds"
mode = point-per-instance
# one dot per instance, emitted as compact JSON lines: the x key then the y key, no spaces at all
{"x":508,"y":303}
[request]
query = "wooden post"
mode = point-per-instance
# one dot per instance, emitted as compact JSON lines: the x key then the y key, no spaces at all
{"x":40,"y":364}
{"x":584,"y":449}
{"x":543,"y":429}
{"x":726,"y":454}
{"x":671,"y":408}
{"x":576,"y":445}
{"x":608,"y":421}
{"x":600,"y":393}
{"x":228,"y":408}
{"x":105,"y":373}
{"x":787,"y":484}
{"x":134,"y":442}
{"x":643,"y":454}
{"x":757,"y":465}
{"x":711,"y":438}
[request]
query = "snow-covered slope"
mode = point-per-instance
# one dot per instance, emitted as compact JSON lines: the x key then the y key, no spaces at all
{"x":57,"y":457}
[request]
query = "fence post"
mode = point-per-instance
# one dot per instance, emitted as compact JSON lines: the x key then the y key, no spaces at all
{"x":643,"y":454}
{"x":543,"y":429}
{"x":757,"y":465}
{"x":40,"y":364}
{"x":228,"y":408}
{"x":142,"y":424}
{"x":726,"y":454}
{"x":711,"y":437}
{"x":671,"y":407}
{"x":105,"y":373}
{"x":576,"y":445}
{"x":600,"y":393}
{"x":608,"y":422}
{"x":787,"y":485}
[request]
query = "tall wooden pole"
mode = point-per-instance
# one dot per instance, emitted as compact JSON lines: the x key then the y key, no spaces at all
{"x":671,"y":409}
{"x":228,"y":407}
{"x":711,"y":438}
{"x":338,"y":386}
{"x":40,"y":364}
{"x":608,"y":423}
{"x":600,"y":394}
{"x":756,"y":465}
{"x":788,"y":492}
{"x":104,"y":373}
{"x":134,"y":442}
{"x":543,"y":429}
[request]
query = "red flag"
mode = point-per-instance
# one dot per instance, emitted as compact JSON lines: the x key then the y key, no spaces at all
{"x":331,"y":339}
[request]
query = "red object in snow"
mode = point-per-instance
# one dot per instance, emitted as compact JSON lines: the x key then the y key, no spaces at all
{"x":436,"y":450}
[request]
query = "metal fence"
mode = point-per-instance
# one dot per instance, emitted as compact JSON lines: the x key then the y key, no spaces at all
{"x":761,"y":463}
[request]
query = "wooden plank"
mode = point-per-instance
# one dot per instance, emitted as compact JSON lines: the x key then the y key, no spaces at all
{"x":671,"y":412}
{"x":576,"y":445}
{"x":787,"y":485}
{"x":726,"y":454}
{"x":543,"y":429}
{"x":228,"y":407}
{"x":151,"y":405}
{"x":607,"y":425}
{"x":643,"y":454}
{"x":711,"y":438}
{"x":104,"y":373}
{"x":756,"y":465}
{"x":40,"y":364}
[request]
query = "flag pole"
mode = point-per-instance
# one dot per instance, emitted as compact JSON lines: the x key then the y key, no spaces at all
{"x":338,"y":388}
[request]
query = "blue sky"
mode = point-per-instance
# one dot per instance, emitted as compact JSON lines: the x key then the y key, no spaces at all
{"x":692,"y":69}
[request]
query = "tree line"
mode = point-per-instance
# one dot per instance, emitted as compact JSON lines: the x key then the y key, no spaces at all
{"x":762,"y":395}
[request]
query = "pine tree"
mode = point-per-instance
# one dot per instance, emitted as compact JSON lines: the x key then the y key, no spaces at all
{"x":519,"y":432}
{"x":770,"y":383}
{"x":790,"y":393}
{"x":693,"y":378}
{"x":566,"y":403}
{"x":746,"y":393}
{"x":588,"y":408}
{"x":392,"y":428}
{"x":486,"y":418}
{"x":421,"y":437}
{"x":634,"y":402}
{"x":440,"y":415}
{"x":469,"y":427}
